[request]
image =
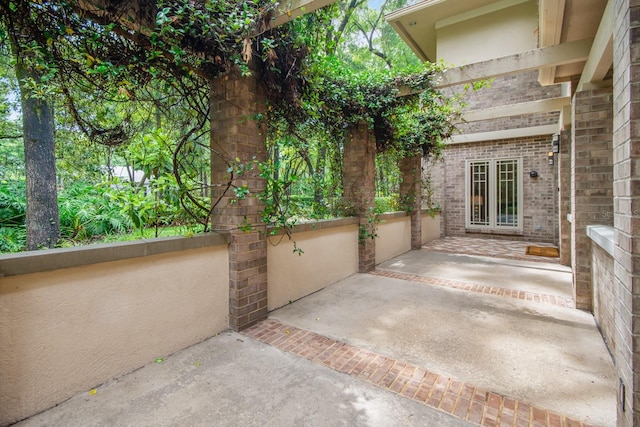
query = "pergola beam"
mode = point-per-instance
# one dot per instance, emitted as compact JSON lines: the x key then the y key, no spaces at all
{"x":551,"y":13}
{"x":561,"y":54}
{"x":503,"y":134}
{"x":291,"y":9}
{"x":532,"y":107}
{"x":601,"y":54}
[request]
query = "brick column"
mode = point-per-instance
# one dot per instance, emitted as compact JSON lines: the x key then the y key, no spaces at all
{"x":411,"y":195}
{"x":592,"y":182}
{"x":626,"y":197}
{"x":564,"y":197}
{"x":235,"y":137}
{"x":359,"y":173}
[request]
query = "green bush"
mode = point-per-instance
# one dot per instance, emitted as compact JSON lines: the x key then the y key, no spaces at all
{"x":87,"y":211}
{"x":386,"y":204}
{"x":12,"y":238}
{"x":13,"y":203}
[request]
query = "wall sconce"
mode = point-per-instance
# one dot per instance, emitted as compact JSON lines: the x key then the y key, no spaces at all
{"x":555,"y":143}
{"x":533,"y":174}
{"x":550,"y":157}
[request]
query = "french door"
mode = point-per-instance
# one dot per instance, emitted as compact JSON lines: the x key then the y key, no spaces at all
{"x":493,"y":198}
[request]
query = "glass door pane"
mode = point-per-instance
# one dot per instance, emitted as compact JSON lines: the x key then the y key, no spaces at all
{"x":507,"y":193}
{"x":479,"y":197}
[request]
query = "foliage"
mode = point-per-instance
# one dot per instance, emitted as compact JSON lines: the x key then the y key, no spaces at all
{"x":136,"y":82}
{"x":12,"y":238}
{"x":87,"y":211}
{"x":12,"y":202}
{"x":386,"y":204}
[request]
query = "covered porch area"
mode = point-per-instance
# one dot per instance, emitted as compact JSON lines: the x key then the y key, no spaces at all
{"x":427,"y":338}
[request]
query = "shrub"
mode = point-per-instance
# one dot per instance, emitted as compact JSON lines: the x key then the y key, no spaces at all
{"x":12,"y":238}
{"x":13,"y":203}
{"x":87,"y":211}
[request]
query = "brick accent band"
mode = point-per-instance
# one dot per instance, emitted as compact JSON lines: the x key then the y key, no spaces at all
{"x":484,"y":289}
{"x":457,"y":398}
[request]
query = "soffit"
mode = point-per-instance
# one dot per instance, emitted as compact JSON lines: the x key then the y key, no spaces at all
{"x":560,"y":21}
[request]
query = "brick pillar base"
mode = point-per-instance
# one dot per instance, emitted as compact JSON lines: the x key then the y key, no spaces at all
{"x":411,"y":195}
{"x":359,"y":189}
{"x":237,"y":139}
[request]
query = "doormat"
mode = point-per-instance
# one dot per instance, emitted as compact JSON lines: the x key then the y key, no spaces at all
{"x":543,"y":251}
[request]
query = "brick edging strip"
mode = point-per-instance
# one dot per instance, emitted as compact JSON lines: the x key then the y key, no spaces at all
{"x":456,"y":398}
{"x":472,"y":287}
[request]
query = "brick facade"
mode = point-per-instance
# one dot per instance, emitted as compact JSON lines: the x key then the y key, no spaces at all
{"x":541,"y":202}
{"x":604,"y":294}
{"x":233,"y":137}
{"x":507,"y":90}
{"x":626,"y":202}
{"x":539,"y":194}
{"x":564,"y":196}
{"x":359,"y":172}
{"x":591,"y":184}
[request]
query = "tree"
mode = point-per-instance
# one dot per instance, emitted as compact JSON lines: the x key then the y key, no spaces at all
{"x":42,"y":220}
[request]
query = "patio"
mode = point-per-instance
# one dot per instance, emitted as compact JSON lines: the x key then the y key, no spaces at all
{"x":428,"y":338}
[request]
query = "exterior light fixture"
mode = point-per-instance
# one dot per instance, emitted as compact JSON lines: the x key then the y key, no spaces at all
{"x":555,"y":143}
{"x":550,"y":157}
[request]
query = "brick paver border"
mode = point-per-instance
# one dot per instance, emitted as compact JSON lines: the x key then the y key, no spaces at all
{"x":457,"y":398}
{"x":472,"y":287}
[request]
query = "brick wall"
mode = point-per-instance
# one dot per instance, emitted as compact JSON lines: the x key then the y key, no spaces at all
{"x":512,"y":122}
{"x":626,"y":194}
{"x":538,"y":193}
{"x":564,"y":196}
{"x":604,"y":294}
{"x":592,"y":181}
{"x":507,"y":90}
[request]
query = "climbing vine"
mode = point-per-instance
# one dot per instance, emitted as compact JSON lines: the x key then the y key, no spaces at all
{"x":164,"y":54}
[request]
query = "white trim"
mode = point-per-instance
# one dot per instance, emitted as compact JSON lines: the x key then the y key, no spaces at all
{"x":503,"y":134}
{"x":411,"y":9}
{"x":565,"y":53}
{"x":471,"y":14}
{"x":603,"y":236}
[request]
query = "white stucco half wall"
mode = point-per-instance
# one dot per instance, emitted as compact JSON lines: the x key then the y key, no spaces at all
{"x":394,"y":236}
{"x":330,"y":254}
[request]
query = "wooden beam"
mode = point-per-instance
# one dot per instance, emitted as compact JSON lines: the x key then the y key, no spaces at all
{"x":564,"y":53}
{"x":504,"y":134}
{"x":289,"y":10}
{"x":532,"y":107}
{"x":601,"y":55}
{"x":551,"y":13}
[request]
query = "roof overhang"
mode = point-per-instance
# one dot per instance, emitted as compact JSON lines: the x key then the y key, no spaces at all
{"x":427,"y":26}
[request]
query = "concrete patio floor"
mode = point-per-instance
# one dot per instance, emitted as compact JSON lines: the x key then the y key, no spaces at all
{"x":417,"y":342}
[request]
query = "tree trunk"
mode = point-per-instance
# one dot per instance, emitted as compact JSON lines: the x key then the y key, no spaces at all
{"x":43,"y":221}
